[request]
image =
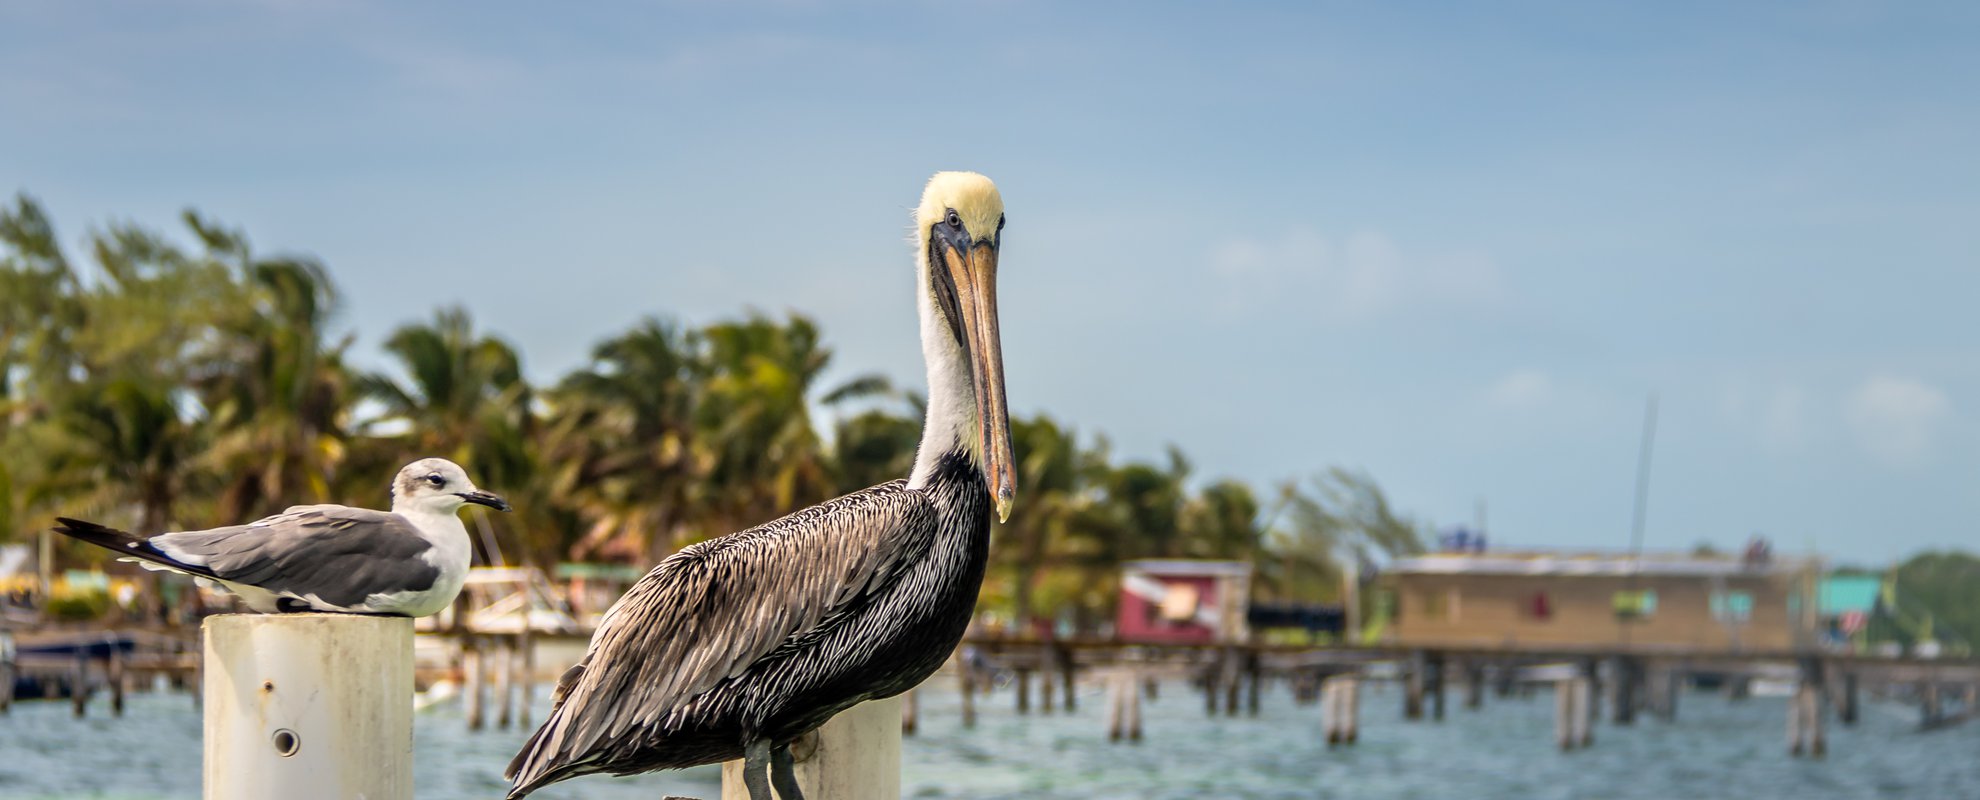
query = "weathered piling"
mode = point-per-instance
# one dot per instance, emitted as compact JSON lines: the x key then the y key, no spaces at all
{"x":1564,"y":714}
{"x":1253,"y":678}
{"x":1928,"y":704}
{"x":968,"y":686}
{"x":1846,"y":701}
{"x":910,"y":713}
{"x":1413,"y":686}
{"x":113,"y":670}
{"x":308,"y":706}
{"x":79,"y":685}
{"x":1622,"y":690}
{"x":7,"y":670}
{"x":1574,"y":712}
{"x":856,"y":754}
{"x":1123,"y":706}
{"x":1067,"y":674}
{"x":1233,"y":676}
{"x":526,"y":679}
{"x":1330,"y":712}
{"x":1662,"y":686}
{"x":1046,"y":697}
{"x":1351,"y":697}
{"x":1435,"y":686}
{"x":1023,"y":685}
{"x":474,"y":681}
{"x":1805,"y":722}
{"x":1338,"y":708}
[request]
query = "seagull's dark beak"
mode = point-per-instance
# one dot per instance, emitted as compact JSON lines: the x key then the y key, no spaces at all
{"x":484,"y":499}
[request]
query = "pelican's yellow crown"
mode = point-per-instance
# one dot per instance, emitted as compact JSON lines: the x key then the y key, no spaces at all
{"x":973,"y":197}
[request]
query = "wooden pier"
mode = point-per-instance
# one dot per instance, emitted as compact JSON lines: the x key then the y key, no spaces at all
{"x":1628,"y":683}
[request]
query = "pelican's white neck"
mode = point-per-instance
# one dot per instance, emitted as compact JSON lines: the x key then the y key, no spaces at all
{"x":951,"y":423}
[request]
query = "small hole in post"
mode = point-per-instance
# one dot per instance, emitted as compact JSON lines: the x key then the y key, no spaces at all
{"x":287,"y":742}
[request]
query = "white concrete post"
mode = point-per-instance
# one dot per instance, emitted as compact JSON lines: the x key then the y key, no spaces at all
{"x":858,"y":757}
{"x":308,"y":706}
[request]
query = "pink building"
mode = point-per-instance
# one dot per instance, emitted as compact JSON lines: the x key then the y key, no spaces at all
{"x":1175,"y":601}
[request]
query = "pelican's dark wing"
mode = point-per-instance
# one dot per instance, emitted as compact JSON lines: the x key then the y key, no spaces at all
{"x":710,"y":611}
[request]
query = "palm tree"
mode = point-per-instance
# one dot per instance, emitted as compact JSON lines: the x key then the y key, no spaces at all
{"x":38,"y":312}
{"x":1339,"y":516}
{"x":464,"y":398}
{"x":623,"y":442}
{"x":278,"y":395}
{"x":1221,"y":521}
{"x":1048,"y":466}
{"x":755,"y":416}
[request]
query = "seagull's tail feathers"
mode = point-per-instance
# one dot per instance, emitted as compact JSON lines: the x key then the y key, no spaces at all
{"x":130,"y":546}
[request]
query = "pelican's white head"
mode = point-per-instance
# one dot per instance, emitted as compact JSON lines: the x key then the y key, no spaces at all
{"x":958,"y":233}
{"x":438,"y":486}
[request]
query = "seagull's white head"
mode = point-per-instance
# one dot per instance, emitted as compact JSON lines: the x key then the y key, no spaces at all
{"x":959,"y":230}
{"x":438,"y":486}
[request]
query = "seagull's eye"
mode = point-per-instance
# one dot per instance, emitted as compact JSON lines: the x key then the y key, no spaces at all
{"x":955,"y":221}
{"x":436,"y":480}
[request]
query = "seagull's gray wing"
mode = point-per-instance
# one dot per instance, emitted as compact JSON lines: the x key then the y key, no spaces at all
{"x":337,"y":555}
{"x":714,"y":609}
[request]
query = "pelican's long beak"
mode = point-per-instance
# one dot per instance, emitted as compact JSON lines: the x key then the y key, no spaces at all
{"x":975,"y":281}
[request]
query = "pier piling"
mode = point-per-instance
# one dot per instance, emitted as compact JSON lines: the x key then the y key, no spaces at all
{"x":308,"y":706}
{"x":1046,"y":697}
{"x":1023,"y":682}
{"x":1064,"y":656}
{"x":474,"y":681}
{"x":1413,"y":687}
{"x":856,"y":754}
{"x":1123,"y":706}
{"x":79,"y":685}
{"x":968,"y":686}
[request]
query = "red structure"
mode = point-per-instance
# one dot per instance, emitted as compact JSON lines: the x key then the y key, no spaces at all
{"x":1183,"y":602}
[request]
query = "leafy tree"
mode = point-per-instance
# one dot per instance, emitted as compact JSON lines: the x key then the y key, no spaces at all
{"x":622,"y":443}
{"x":463,"y":398}
{"x":1943,"y":587}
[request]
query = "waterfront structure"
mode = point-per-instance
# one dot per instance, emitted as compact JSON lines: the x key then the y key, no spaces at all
{"x":1181,"y":601}
{"x":1750,"y":602}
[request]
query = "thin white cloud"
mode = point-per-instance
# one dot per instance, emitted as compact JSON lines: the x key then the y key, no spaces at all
{"x":1525,"y":388}
{"x":1354,"y":279}
{"x":1897,"y":419}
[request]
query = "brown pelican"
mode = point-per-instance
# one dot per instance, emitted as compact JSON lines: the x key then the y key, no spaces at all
{"x":408,"y":562}
{"x":736,"y":646}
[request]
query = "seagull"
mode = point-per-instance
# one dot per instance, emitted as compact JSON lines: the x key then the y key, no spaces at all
{"x":407,"y":562}
{"x":735,"y":647}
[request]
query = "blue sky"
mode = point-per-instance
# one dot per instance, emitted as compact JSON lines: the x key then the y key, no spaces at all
{"x":1456,"y":245}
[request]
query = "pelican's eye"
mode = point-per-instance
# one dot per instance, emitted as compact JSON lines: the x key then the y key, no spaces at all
{"x":436,"y":480}
{"x":955,"y":221}
{"x":1000,"y":222}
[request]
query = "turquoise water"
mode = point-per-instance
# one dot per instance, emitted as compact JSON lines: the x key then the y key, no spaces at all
{"x":1715,"y":750}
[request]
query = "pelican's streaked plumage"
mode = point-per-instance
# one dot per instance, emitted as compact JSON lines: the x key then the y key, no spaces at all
{"x":736,"y":646}
{"x":409,"y":561}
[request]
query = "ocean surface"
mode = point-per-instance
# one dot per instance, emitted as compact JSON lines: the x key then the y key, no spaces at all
{"x":1716,"y":749}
